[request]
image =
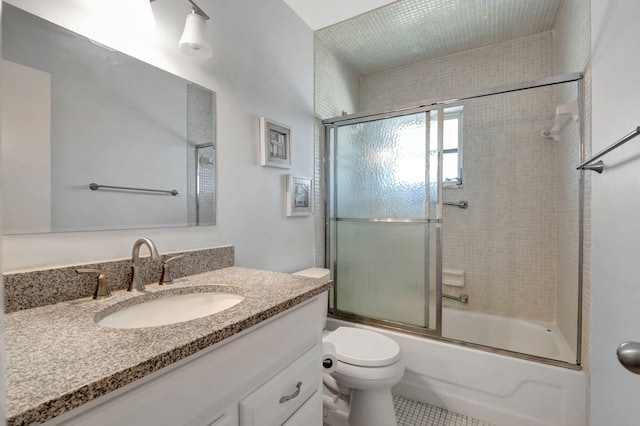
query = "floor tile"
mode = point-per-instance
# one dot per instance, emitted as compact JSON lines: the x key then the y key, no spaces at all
{"x":414,"y":413}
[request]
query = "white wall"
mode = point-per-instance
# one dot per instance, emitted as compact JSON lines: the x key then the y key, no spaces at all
{"x":615,"y":288}
{"x":262,"y":65}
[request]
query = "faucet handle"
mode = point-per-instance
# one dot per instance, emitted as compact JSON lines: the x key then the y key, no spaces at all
{"x":167,"y":276}
{"x":171,"y":259}
{"x":102,"y":289}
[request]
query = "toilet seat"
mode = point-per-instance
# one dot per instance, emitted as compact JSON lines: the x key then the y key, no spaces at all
{"x":363,"y":348}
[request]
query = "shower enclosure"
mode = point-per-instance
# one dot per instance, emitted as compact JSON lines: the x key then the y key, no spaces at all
{"x":201,"y":156}
{"x":461,"y":219}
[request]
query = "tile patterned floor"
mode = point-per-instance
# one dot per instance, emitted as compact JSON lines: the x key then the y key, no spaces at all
{"x":413,"y":413}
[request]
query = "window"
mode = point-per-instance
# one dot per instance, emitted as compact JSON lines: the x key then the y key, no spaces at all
{"x":451,"y":147}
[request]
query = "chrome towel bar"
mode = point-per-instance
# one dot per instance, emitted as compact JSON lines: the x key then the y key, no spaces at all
{"x":95,"y":187}
{"x":459,"y":204}
{"x":464,"y":298}
{"x":599,"y":166}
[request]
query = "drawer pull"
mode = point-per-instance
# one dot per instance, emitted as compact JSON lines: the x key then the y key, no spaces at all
{"x":293,"y":395}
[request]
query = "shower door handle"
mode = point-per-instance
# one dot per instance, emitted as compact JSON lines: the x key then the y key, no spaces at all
{"x":629,"y":356}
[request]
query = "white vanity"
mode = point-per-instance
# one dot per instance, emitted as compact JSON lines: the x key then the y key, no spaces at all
{"x":257,"y":363}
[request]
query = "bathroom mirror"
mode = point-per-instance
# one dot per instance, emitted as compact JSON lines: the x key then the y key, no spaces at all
{"x":76,"y":113}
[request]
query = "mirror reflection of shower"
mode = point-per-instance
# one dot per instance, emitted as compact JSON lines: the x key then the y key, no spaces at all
{"x":201,"y":158}
{"x":205,"y":160}
{"x":204,"y":183}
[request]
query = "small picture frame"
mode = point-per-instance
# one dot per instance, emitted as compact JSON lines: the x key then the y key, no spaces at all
{"x":275,"y":144}
{"x":299,"y":195}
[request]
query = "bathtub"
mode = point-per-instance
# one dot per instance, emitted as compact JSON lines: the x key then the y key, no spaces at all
{"x":498,"y":389}
{"x":526,"y":336}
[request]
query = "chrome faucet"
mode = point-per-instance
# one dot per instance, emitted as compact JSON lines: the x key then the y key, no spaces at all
{"x":136,"y":282}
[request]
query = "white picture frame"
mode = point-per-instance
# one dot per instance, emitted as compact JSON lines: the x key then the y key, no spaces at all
{"x":299,"y":195}
{"x":275,"y":144}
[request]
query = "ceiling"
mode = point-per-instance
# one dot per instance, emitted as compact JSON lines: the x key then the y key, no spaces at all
{"x":323,"y":13}
{"x":409,"y":31}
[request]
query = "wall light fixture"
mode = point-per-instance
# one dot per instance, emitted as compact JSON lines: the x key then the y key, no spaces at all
{"x":194,"y":37}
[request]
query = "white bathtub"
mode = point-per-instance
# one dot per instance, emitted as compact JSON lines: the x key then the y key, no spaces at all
{"x":498,"y":389}
{"x":525,"y":336}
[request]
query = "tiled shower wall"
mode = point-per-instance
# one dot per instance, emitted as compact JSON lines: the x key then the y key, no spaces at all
{"x":504,"y":240}
{"x":524,"y":59}
{"x":336,"y":85}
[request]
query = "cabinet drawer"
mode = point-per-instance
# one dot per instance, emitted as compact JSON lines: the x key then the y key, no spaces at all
{"x":310,"y":414}
{"x":277,"y":399}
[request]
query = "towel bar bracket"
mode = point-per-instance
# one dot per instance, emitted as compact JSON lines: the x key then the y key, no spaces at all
{"x":599,"y":166}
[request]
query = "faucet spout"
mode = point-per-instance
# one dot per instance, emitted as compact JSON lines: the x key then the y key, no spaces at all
{"x":136,"y":283}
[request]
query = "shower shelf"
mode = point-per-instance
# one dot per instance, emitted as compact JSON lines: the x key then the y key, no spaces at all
{"x":564,"y":113}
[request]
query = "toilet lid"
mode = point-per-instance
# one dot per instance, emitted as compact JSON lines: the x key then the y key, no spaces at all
{"x":363,"y":348}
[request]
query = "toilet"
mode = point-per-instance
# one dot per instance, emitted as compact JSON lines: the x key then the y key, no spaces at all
{"x":358,"y":391}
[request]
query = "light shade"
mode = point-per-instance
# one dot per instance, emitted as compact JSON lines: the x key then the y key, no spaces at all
{"x":194,"y":37}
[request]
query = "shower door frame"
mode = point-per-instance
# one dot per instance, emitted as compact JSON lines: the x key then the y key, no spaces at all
{"x":394,"y":325}
{"x":439,"y":104}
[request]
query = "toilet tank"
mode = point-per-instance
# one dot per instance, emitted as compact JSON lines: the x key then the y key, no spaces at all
{"x":317,"y":273}
{"x":314,"y":273}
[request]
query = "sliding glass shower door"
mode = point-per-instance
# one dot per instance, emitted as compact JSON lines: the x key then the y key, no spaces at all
{"x":384,"y":218}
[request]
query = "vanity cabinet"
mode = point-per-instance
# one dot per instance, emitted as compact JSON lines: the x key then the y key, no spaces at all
{"x":269,"y":374}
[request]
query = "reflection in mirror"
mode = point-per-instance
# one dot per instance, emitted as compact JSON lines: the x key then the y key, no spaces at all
{"x":76,"y":113}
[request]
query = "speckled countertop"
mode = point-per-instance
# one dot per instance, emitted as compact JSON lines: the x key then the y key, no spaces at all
{"x":58,"y":358}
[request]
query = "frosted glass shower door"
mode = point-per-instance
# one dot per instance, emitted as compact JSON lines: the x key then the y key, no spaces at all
{"x":382,"y":238}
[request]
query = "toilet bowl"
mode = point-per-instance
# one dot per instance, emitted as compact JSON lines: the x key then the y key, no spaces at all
{"x":358,"y":391}
{"x":369,"y":364}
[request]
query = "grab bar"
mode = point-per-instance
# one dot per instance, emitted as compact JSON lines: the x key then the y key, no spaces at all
{"x":599,"y":166}
{"x":459,"y":204}
{"x":464,"y":298}
{"x":95,"y":187}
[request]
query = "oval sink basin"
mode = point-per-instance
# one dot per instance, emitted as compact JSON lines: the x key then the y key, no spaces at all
{"x":171,"y":310}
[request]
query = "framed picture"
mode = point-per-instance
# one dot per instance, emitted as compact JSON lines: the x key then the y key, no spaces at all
{"x":299,"y":195}
{"x":275,"y":144}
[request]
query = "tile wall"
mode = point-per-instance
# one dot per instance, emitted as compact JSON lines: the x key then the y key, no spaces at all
{"x":524,"y":59}
{"x":336,"y":85}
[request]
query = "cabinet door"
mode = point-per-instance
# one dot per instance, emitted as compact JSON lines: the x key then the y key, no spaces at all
{"x":277,"y":399}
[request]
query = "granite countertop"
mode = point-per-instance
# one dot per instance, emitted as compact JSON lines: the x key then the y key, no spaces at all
{"x":57,"y":357}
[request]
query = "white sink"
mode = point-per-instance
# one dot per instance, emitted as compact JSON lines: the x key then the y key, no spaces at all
{"x":171,"y":310}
